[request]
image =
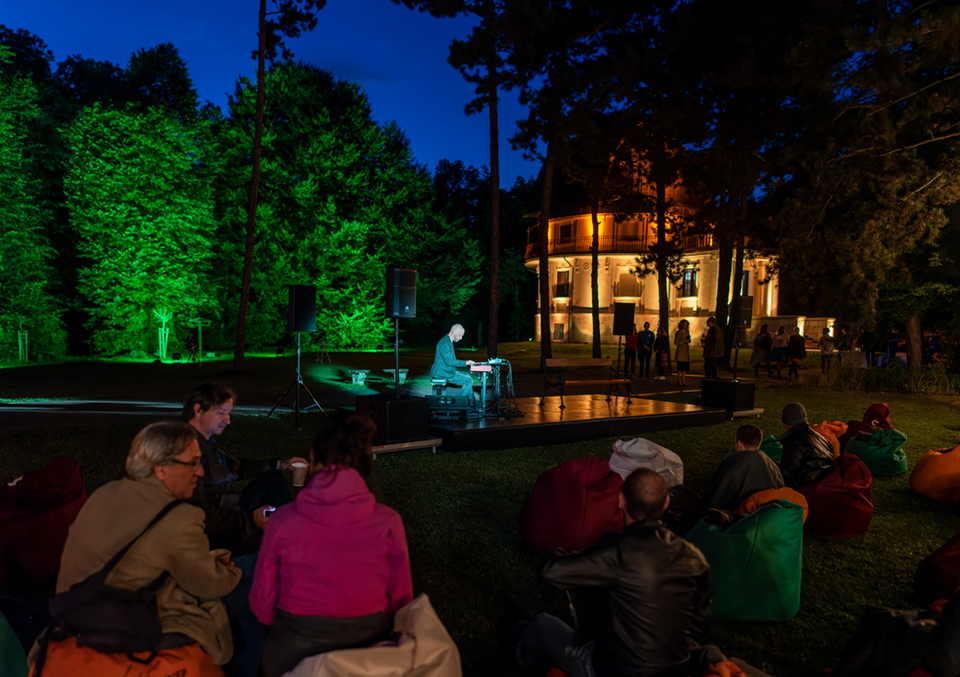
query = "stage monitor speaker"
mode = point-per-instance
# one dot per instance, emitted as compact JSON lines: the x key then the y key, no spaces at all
{"x":729,"y":395}
{"x":401,"y":296}
{"x":398,"y":419}
{"x":623,"y":316}
{"x":302,"y":309}
{"x":746,"y":312}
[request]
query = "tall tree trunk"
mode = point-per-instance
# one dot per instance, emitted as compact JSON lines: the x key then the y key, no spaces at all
{"x":662,"y":254}
{"x":595,"y":270}
{"x":493,"y":331}
{"x":725,"y":264}
{"x":914,"y":348}
{"x":252,"y":205}
{"x":734,"y":332}
{"x":546,"y":349}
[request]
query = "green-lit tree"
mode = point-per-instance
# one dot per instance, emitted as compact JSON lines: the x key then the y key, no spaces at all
{"x":26,"y":276}
{"x":144,"y":214}
{"x":342,"y":198}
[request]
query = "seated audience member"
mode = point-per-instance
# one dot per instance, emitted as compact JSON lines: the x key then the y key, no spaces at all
{"x":807,"y":455}
{"x":334,"y":566}
{"x":742,"y":473}
{"x":163,"y":465}
{"x":657,"y":588}
{"x":234,"y":520}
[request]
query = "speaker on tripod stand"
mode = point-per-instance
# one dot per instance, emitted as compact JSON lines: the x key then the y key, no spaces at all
{"x":301,"y":316}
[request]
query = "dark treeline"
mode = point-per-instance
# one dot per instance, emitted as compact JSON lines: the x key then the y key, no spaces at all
{"x":125,"y":207}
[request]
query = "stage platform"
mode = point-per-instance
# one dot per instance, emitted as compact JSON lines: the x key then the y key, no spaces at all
{"x":585,"y":417}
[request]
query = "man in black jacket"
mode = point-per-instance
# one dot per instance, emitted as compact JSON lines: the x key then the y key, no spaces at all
{"x":234,"y":520}
{"x":658,"y":589}
{"x":807,"y":455}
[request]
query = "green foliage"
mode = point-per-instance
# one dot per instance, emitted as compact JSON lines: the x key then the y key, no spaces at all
{"x":144,"y":215}
{"x":26,"y":276}
{"x":340,"y":199}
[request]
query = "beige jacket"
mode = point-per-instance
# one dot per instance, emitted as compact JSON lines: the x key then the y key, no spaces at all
{"x":189,"y":601}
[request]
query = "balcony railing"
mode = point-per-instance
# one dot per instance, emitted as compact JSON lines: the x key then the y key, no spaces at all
{"x":614,"y":245}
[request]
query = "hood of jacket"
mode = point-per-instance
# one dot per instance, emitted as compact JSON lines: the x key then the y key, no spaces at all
{"x":336,"y":495}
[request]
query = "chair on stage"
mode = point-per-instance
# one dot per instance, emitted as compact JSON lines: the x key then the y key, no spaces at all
{"x":438,"y":384}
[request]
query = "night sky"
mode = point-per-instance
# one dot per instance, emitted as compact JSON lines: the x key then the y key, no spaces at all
{"x":398,"y":56}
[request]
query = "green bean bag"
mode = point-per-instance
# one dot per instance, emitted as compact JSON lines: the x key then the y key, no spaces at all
{"x":771,"y":447}
{"x":13,"y":660}
{"x":882,"y":452}
{"x":755,"y":559}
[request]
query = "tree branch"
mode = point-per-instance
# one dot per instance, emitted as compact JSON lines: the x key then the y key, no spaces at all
{"x":922,"y":143}
{"x":904,"y":98}
{"x":921,"y":187}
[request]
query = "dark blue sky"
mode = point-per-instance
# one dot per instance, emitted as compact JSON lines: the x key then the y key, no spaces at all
{"x":397,"y":55}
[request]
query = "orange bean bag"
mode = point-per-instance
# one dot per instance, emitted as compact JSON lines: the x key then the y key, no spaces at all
{"x":831,"y":431}
{"x":722,"y":669}
{"x":767,"y":495}
{"x":937,"y":475}
{"x":66,"y":659}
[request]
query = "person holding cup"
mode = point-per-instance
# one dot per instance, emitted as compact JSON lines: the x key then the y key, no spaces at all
{"x":334,"y":566}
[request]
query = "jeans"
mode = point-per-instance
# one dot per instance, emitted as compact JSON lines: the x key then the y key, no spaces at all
{"x":247,"y":630}
{"x":466,"y":381}
{"x":548,"y":641}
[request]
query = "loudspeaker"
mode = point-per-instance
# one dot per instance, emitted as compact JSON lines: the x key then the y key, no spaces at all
{"x":401,"y":296}
{"x":729,"y":395}
{"x":447,"y":406}
{"x":398,"y":419}
{"x":746,"y":312}
{"x":623,"y":315}
{"x":302,"y":309}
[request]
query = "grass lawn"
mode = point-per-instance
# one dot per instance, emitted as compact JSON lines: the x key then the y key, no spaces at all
{"x":462,"y":513}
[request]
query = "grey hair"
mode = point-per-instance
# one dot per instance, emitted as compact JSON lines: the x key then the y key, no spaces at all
{"x":157,"y":444}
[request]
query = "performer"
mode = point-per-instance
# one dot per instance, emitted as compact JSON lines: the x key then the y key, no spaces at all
{"x":445,"y":363}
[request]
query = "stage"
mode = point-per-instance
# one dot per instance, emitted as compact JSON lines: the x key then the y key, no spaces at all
{"x":585,"y":417}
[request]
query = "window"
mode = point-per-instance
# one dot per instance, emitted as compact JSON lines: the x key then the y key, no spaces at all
{"x":565,"y":231}
{"x":558,"y":332}
{"x":688,"y":284}
{"x":627,"y":282}
{"x":745,"y":285}
{"x":562,"y":289}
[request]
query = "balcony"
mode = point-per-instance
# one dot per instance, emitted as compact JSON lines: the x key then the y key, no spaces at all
{"x":561,"y":291}
{"x":613,"y":245}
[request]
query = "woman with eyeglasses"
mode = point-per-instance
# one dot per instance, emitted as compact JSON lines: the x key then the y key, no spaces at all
{"x":334,"y":566}
{"x":163,"y":465}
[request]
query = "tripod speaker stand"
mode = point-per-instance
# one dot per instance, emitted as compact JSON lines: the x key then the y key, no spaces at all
{"x":298,"y":384}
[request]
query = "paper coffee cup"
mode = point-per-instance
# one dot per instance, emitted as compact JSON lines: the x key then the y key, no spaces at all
{"x":222,"y":554}
{"x":299,"y":473}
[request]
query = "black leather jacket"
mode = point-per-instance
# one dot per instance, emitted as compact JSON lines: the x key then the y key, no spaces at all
{"x":807,"y":456}
{"x":659,"y":591}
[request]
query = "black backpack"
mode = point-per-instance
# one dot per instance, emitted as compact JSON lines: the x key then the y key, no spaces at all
{"x":108,"y":619}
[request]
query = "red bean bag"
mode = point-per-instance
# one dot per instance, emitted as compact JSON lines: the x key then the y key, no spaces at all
{"x":572,"y":506}
{"x":938,"y":576}
{"x":937,"y":475}
{"x":36,"y":510}
{"x":875,"y":417}
{"x":840,"y":503}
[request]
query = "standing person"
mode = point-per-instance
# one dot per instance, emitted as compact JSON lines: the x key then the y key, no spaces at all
{"x":334,"y":567}
{"x":825,"y":344}
{"x":445,"y":364}
{"x":712,"y":349}
{"x":796,"y":351}
{"x":893,"y":345}
{"x":630,"y":351}
{"x":762,"y":345}
{"x":779,"y":354}
{"x":646,"y":349}
{"x":681,"y":339}
{"x":657,"y":588}
{"x":661,"y":346}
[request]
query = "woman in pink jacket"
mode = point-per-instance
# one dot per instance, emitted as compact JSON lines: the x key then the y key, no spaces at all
{"x":334,"y":567}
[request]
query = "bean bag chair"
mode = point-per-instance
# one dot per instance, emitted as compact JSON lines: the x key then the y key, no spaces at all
{"x":840,"y":503}
{"x":66,"y":659}
{"x":572,"y":505}
{"x":628,"y":455}
{"x":937,"y":475}
{"x":876,"y":416}
{"x":771,"y":447}
{"x":938,"y":575}
{"x":43,"y":502}
{"x":768,"y":495}
{"x":755,"y":560}
{"x":425,"y":649}
{"x":882,"y":452}
{"x":13,"y":660}
{"x":831,"y":431}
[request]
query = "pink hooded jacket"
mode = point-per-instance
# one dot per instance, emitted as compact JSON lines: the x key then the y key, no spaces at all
{"x":333,"y":552}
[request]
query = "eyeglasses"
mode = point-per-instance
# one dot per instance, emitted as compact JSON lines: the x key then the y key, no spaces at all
{"x":191,"y":464}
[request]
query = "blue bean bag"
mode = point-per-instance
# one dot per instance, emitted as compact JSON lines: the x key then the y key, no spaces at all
{"x":755,"y":559}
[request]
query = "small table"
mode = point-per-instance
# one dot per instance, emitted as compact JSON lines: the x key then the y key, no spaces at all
{"x":359,"y":376}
